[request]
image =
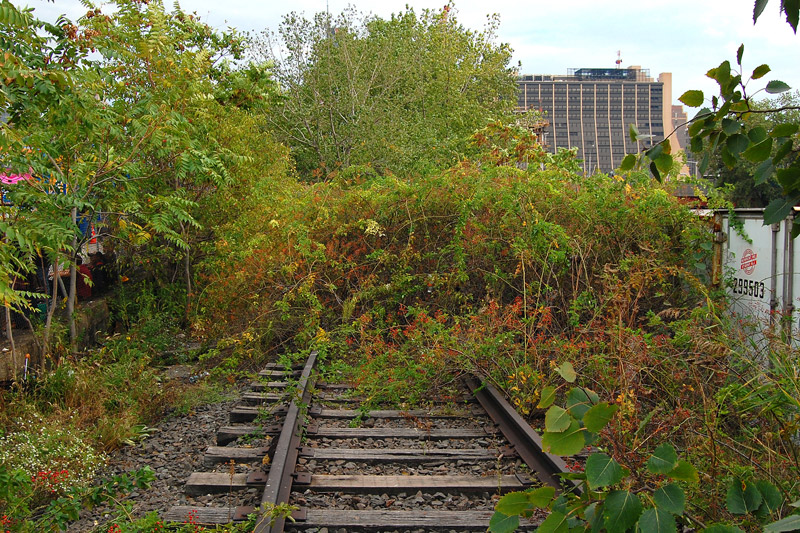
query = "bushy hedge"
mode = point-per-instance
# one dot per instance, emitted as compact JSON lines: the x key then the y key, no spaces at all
{"x":575,"y":249}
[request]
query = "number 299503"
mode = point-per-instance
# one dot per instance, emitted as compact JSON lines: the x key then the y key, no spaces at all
{"x":748,"y":287}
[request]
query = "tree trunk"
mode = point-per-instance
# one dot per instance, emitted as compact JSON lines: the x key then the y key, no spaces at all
{"x":10,"y":337}
{"x":73,"y":334}
{"x":50,"y":310}
{"x":188,"y":272}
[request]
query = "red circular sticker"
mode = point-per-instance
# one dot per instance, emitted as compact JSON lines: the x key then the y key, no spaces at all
{"x":749,"y":260}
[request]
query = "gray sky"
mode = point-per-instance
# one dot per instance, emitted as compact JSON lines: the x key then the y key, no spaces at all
{"x":685,"y":37}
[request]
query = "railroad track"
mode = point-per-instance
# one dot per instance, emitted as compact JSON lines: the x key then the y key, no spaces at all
{"x":308,"y":448}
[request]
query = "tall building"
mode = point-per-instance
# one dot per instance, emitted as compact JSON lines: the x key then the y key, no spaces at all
{"x":680,"y":121}
{"x":592,"y":109}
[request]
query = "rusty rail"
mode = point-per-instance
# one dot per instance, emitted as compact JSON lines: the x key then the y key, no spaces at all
{"x":279,"y":481}
{"x":522,"y":437}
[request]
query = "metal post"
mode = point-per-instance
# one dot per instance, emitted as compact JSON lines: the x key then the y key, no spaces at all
{"x":773,"y":278}
{"x":788,"y":283}
{"x":719,"y":239}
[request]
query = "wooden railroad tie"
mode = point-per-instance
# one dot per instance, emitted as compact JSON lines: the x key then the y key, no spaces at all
{"x":405,"y":455}
{"x":200,"y":483}
{"x":399,"y":433}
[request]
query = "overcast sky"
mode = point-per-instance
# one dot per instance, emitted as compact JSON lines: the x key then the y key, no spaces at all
{"x":685,"y":37}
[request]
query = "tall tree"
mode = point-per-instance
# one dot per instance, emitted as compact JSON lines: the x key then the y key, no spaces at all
{"x":400,"y":94}
{"x":131,"y":137}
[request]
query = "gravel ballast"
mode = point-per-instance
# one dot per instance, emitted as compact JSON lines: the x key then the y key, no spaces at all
{"x":173,"y":452}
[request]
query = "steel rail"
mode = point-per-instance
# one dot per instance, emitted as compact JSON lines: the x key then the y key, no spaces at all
{"x":279,"y":481}
{"x":526,"y":442}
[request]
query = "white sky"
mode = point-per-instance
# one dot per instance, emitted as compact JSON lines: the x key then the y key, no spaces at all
{"x":685,"y":37}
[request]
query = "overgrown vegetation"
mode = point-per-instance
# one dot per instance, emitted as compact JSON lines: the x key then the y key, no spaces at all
{"x":400,"y":94}
{"x":463,"y":247}
{"x":510,"y":274}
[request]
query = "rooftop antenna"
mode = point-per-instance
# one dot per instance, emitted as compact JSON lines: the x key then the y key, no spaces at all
{"x":619,"y":58}
{"x":328,"y":30}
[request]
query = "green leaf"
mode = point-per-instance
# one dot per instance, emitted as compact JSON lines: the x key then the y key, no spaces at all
{"x":663,"y":460}
{"x":740,"y":106}
{"x":594,"y":516}
{"x":777,"y":87}
{"x":722,"y":74}
{"x":759,"y":152}
{"x":514,"y":503}
{"x":737,"y":143}
{"x":795,"y":229}
{"x":757,"y":134}
{"x":598,"y":416}
{"x":656,"y":521}
{"x":722,"y":528}
{"x":714,"y":138}
{"x":735,"y":95}
{"x":621,"y":510}
{"x":568,"y":442}
{"x":696,"y":145}
{"x":727,"y":157}
{"x":783,"y":150}
{"x":684,"y":471}
{"x":500,"y":523}
{"x":696,"y":127}
{"x":560,"y":504}
{"x":790,"y":523}
{"x":664,"y":163}
{"x":763,"y":172}
{"x":758,"y":9}
{"x":784,"y":130}
{"x":654,"y":152}
{"x":792,"y":10}
{"x":704,"y":164}
{"x":567,"y":372}
{"x":655,"y":172}
{"x":704,"y":115}
{"x":739,"y":54}
{"x":633,"y":131}
{"x":760,"y":71}
{"x":778,"y":209}
{"x":730,"y":126}
{"x":771,"y":497}
{"x":579,"y":400}
{"x":546,"y":397}
{"x":573,"y":475}
{"x":670,"y":498}
{"x":602,"y":471}
{"x":789,"y":179}
{"x":743,"y":497}
{"x":628,"y":163}
{"x":541,"y":497}
{"x":556,"y":522}
{"x":692,"y":98}
{"x":557,"y":419}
